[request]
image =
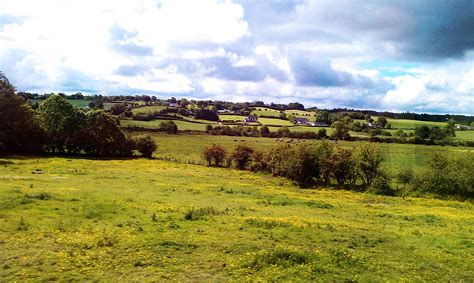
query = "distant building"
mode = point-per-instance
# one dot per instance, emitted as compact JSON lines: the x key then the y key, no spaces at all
{"x":320,"y":124}
{"x":301,"y":121}
{"x":224,"y":111}
{"x":175,"y":105}
{"x":251,"y":119}
{"x":462,"y":127}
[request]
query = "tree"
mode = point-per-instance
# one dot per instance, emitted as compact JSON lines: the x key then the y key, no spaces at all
{"x":341,"y":131}
{"x":264,"y":131}
{"x":206,"y":114}
{"x":19,"y":128}
{"x":368,"y":160}
{"x":102,"y":136}
{"x":118,"y":108}
{"x":296,"y":105}
{"x":342,"y":165}
{"x":145,"y":144}
{"x":214,"y":154}
{"x":183,"y":103}
{"x":61,"y":121}
{"x":382,"y":121}
{"x":405,"y":176}
{"x":322,"y":133}
{"x":422,"y":132}
{"x":324,"y":117}
{"x":169,"y":126}
{"x":241,"y":155}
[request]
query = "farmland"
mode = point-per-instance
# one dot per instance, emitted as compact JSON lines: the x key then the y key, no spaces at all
{"x":146,"y":220}
{"x":187,"y":148}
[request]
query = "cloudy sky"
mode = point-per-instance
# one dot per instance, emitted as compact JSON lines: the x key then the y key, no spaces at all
{"x":391,"y":55}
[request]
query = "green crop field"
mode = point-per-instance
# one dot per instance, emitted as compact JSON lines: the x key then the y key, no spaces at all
{"x":262,"y":111}
{"x":232,"y":118}
{"x":151,"y":220}
{"x":148,"y":109}
{"x":412,"y":124}
{"x":464,"y":135}
{"x":301,"y":113}
{"x":155,"y":124}
{"x":188,"y":148}
{"x":274,"y":122}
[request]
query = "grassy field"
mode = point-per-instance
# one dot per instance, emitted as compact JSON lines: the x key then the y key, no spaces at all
{"x":78,"y":103}
{"x":188,"y":148}
{"x":274,"y":122}
{"x":412,"y":124}
{"x":262,"y":111}
{"x":464,"y":135}
{"x":231,"y":118}
{"x":148,"y":109}
{"x":155,"y":124}
{"x":148,"y":220}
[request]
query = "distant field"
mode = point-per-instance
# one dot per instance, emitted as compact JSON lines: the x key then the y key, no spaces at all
{"x":148,"y":109}
{"x":188,"y":148}
{"x":150,"y":220}
{"x":301,"y":114}
{"x":464,"y":135}
{"x":274,"y":122}
{"x":155,"y":124}
{"x":78,"y":103}
{"x":231,"y":118}
{"x":262,"y":111}
{"x":412,"y":124}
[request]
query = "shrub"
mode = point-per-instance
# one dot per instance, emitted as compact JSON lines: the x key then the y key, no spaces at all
{"x":145,"y":144}
{"x":381,"y":185}
{"x":368,"y":159}
{"x":169,"y":126}
{"x":241,"y":155}
{"x":214,"y":154}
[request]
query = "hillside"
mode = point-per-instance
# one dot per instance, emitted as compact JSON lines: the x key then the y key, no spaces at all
{"x":146,"y":220}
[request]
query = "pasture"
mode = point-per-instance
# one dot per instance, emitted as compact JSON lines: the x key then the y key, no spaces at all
{"x":148,"y":109}
{"x":187,"y":148}
{"x":149,"y":220}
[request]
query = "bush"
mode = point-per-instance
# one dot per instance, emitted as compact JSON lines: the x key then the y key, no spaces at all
{"x":368,"y":159}
{"x":446,"y":176}
{"x":169,"y":126}
{"x":214,"y":154}
{"x":241,"y":155}
{"x":381,"y":185}
{"x":145,"y":144}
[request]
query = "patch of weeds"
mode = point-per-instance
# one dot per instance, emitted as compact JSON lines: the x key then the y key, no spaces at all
{"x":319,"y":204}
{"x":196,"y":214}
{"x":279,"y":202}
{"x":22,"y":226}
{"x":6,"y":162}
{"x":107,"y":241}
{"x":429,"y":218}
{"x":40,"y":196}
{"x":266,"y":223}
{"x":279,"y":257}
{"x":177,"y":245}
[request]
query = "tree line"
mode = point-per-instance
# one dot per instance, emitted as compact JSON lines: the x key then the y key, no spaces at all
{"x":359,"y":168}
{"x":59,"y":127}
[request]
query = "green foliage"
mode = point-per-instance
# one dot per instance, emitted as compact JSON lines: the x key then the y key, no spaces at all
{"x":145,"y":144}
{"x":381,"y":185}
{"x":446,"y":176}
{"x":264,"y":131}
{"x":369,"y":158}
{"x":169,"y":126}
{"x":200,"y":213}
{"x":343,"y":166}
{"x":19,"y":128}
{"x":341,"y":131}
{"x":241,"y":155}
{"x":214,"y":154}
{"x":102,"y":136}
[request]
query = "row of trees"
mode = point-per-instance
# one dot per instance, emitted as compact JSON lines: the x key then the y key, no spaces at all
{"x":324,"y":163}
{"x":355,"y":168}
{"x":59,"y":127}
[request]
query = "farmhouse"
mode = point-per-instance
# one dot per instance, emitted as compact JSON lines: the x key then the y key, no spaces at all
{"x":251,"y":119}
{"x":463,"y":127}
{"x":175,"y":105}
{"x":301,"y":121}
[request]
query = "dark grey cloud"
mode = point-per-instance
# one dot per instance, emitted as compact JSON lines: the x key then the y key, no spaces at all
{"x":310,"y":70}
{"x":417,"y":30}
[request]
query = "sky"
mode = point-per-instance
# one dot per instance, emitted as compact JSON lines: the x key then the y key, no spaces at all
{"x":392,"y":55}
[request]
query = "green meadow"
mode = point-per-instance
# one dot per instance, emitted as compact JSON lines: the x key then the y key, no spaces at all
{"x":187,"y":148}
{"x":73,"y":219}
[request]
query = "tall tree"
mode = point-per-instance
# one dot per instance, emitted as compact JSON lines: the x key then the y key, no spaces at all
{"x":61,"y":121}
{"x":19,"y":129}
